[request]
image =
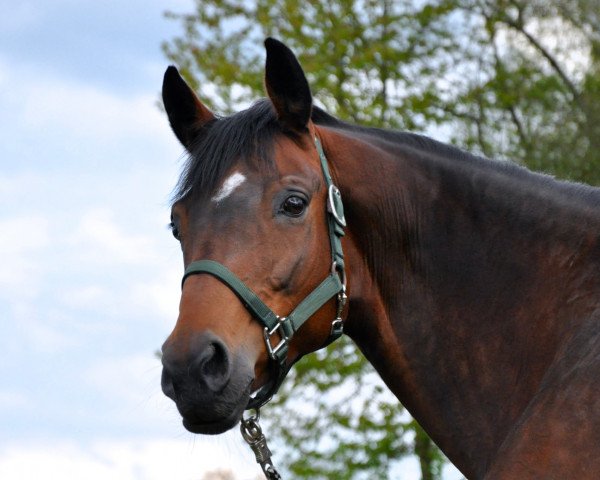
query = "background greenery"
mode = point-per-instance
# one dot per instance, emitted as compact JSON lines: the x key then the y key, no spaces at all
{"x":509,"y":79}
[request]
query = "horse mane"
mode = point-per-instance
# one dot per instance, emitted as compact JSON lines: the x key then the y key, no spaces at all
{"x":453,"y":158}
{"x":409,"y":139}
{"x":248,"y":136}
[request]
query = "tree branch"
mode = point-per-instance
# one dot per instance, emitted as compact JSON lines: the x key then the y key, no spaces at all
{"x":519,"y":27}
{"x":511,"y":106}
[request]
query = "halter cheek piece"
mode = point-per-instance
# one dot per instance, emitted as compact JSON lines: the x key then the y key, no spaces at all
{"x":285,"y":327}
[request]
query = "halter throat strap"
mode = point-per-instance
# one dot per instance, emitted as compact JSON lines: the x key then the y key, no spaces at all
{"x":285,"y":327}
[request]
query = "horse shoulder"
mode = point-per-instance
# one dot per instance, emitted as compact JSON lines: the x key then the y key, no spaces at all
{"x":558,"y":434}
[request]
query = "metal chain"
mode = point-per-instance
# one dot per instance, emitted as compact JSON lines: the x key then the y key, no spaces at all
{"x":252,"y":434}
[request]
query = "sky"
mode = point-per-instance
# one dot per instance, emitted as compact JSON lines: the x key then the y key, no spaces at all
{"x":90,"y":274}
{"x":89,"y":277}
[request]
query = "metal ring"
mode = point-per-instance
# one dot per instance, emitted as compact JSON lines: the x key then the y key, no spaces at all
{"x":250,"y":429}
{"x":255,"y":416}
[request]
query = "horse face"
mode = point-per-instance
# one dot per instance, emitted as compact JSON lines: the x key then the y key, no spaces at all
{"x":269,"y":229}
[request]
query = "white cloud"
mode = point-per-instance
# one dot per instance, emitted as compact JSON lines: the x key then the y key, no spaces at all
{"x":52,"y":122}
{"x":39,"y":99}
{"x":22,"y":238}
{"x":39,"y":329}
{"x":86,"y":296}
{"x":103,"y":240}
{"x":86,"y":167}
{"x":128,"y":387}
{"x":161,"y":295}
{"x":90,"y":113}
{"x":11,"y":400}
{"x":125,"y":459}
{"x":22,"y":234}
{"x":132,"y":378}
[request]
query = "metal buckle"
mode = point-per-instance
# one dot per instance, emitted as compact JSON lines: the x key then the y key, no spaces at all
{"x":254,"y":436}
{"x":331,"y":205}
{"x":342,"y":298}
{"x":341,"y":272}
{"x":337,"y":326}
{"x":267,"y":334}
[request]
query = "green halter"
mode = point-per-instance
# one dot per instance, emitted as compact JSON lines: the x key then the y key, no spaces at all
{"x":285,"y":327}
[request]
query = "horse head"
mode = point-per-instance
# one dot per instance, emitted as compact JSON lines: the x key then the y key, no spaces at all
{"x":250,"y":214}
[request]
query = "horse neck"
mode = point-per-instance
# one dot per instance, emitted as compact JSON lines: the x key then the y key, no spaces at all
{"x":465,"y":279}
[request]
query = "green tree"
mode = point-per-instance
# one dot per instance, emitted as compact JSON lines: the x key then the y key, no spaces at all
{"x":511,"y":79}
{"x":361,"y":57}
{"x":338,"y":420}
{"x":528,"y":84}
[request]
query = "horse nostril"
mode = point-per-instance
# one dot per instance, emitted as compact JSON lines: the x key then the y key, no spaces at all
{"x":204,"y":369}
{"x":212,"y":366}
{"x":218,"y":362}
{"x":166,"y":383}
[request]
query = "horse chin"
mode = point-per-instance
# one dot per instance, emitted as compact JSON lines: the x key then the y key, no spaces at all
{"x":216,"y":427}
{"x":218,"y":417}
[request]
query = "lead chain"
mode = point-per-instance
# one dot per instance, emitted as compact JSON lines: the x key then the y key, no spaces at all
{"x":252,"y":434}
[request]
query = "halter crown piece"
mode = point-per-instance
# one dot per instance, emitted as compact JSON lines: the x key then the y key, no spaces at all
{"x":285,"y":327}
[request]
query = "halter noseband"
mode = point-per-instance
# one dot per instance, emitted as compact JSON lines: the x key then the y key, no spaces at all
{"x":285,"y":327}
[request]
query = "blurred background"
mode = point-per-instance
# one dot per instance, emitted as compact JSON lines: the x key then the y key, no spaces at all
{"x":89,"y":275}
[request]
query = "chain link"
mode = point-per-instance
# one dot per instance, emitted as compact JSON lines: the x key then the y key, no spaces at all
{"x":252,"y":434}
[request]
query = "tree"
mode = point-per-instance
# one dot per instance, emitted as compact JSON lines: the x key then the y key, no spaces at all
{"x":338,"y":420}
{"x":511,"y":79}
{"x":359,"y":56}
{"x":528,"y":88}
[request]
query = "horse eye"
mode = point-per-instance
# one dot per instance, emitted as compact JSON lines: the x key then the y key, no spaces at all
{"x":174,"y":230}
{"x":294,"y":206}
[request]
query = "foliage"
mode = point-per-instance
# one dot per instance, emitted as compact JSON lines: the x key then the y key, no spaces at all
{"x":360,"y":56}
{"x":531,"y":94}
{"x":511,"y":79}
{"x":337,"y":420}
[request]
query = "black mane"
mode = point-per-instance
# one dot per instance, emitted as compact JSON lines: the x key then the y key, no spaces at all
{"x":455,"y":159}
{"x":249,"y":134}
{"x":409,"y":139}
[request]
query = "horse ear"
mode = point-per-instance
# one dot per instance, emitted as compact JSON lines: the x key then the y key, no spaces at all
{"x":187,"y":114}
{"x":287,"y":86}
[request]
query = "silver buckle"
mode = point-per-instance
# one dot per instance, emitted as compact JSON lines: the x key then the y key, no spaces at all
{"x":337,"y":326}
{"x":267,"y":334}
{"x":333,"y":190}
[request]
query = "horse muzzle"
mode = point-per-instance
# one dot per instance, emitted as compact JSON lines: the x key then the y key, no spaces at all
{"x":210,"y":386}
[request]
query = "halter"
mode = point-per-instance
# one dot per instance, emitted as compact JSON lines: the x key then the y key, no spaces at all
{"x":285,"y":327}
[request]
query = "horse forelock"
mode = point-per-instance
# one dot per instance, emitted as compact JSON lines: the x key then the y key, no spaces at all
{"x":246,"y":136}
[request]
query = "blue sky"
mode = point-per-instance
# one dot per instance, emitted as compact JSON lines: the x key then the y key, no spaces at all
{"x":89,"y":282}
{"x":89,"y":277}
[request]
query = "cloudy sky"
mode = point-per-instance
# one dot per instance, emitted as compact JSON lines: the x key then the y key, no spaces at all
{"x":89,"y":275}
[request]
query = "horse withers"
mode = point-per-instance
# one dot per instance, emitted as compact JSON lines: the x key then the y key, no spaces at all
{"x":473,"y":286}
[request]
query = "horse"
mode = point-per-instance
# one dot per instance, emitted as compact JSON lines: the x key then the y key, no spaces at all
{"x":472,"y":285}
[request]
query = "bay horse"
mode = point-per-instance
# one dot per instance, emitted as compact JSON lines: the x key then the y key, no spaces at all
{"x":473,"y":285}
